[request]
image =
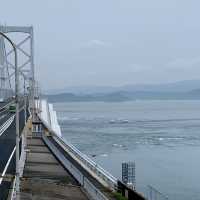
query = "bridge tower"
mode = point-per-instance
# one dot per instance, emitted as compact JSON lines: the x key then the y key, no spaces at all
{"x":22,"y":36}
{"x":4,"y":88}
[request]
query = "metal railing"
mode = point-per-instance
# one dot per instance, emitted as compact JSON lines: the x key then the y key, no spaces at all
{"x":13,"y":190}
{"x":13,"y":195}
{"x":7,"y":105}
{"x":94,"y":167}
{"x":154,"y":194}
{"x":6,"y":124}
{"x":105,"y":176}
{"x":93,"y":191}
{"x":89,"y":187}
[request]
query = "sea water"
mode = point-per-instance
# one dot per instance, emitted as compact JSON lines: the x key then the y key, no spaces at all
{"x":161,"y":137}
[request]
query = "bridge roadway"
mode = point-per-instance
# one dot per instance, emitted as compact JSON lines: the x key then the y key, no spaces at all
{"x":6,"y":103}
{"x":7,"y":149}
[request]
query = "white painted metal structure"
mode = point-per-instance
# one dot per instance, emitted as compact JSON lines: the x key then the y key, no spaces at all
{"x":24,"y":46}
{"x":128,"y":174}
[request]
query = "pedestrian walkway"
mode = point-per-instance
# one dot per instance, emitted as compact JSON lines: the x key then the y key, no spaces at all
{"x":44,"y":177}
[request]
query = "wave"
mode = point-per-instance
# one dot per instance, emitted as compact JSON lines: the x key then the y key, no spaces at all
{"x":118,"y":145}
{"x":169,"y":120}
{"x":68,"y":118}
{"x":119,"y":121}
{"x":104,"y":155}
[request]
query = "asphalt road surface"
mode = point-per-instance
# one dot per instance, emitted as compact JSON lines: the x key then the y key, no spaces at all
{"x":7,"y":149}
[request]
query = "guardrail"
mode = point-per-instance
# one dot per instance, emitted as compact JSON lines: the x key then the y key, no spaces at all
{"x":154,"y":194}
{"x":6,"y":124}
{"x":13,"y":191}
{"x":109,"y":179}
{"x":92,"y":191}
{"x":94,"y":167}
{"x":13,"y":195}
{"x":7,"y":104}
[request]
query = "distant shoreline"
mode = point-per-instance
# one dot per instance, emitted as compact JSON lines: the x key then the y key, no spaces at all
{"x":122,"y":97}
{"x":182,"y":90}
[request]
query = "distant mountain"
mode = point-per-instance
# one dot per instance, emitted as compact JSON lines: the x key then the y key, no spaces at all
{"x":125,"y":96}
{"x":69,"y":97}
{"x":180,"y":90}
{"x":194,"y":93}
{"x":181,"y":86}
{"x":83,"y":90}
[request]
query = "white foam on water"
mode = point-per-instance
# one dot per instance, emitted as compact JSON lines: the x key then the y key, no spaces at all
{"x":104,"y":155}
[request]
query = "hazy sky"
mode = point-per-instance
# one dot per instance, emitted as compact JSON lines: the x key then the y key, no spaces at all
{"x":110,"y":42}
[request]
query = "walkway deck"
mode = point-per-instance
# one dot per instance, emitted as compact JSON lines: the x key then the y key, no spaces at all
{"x":45,"y":178}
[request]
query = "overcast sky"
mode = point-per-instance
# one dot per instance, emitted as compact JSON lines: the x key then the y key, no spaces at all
{"x":110,"y":42}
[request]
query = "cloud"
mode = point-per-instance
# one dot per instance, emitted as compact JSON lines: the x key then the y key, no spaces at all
{"x":96,"y":43}
{"x":183,"y":63}
{"x":138,"y":67}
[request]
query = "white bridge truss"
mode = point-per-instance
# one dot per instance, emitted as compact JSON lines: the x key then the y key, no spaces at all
{"x":23,"y":40}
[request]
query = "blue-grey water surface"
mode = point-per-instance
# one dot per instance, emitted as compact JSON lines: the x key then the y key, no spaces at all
{"x":162,"y":137}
